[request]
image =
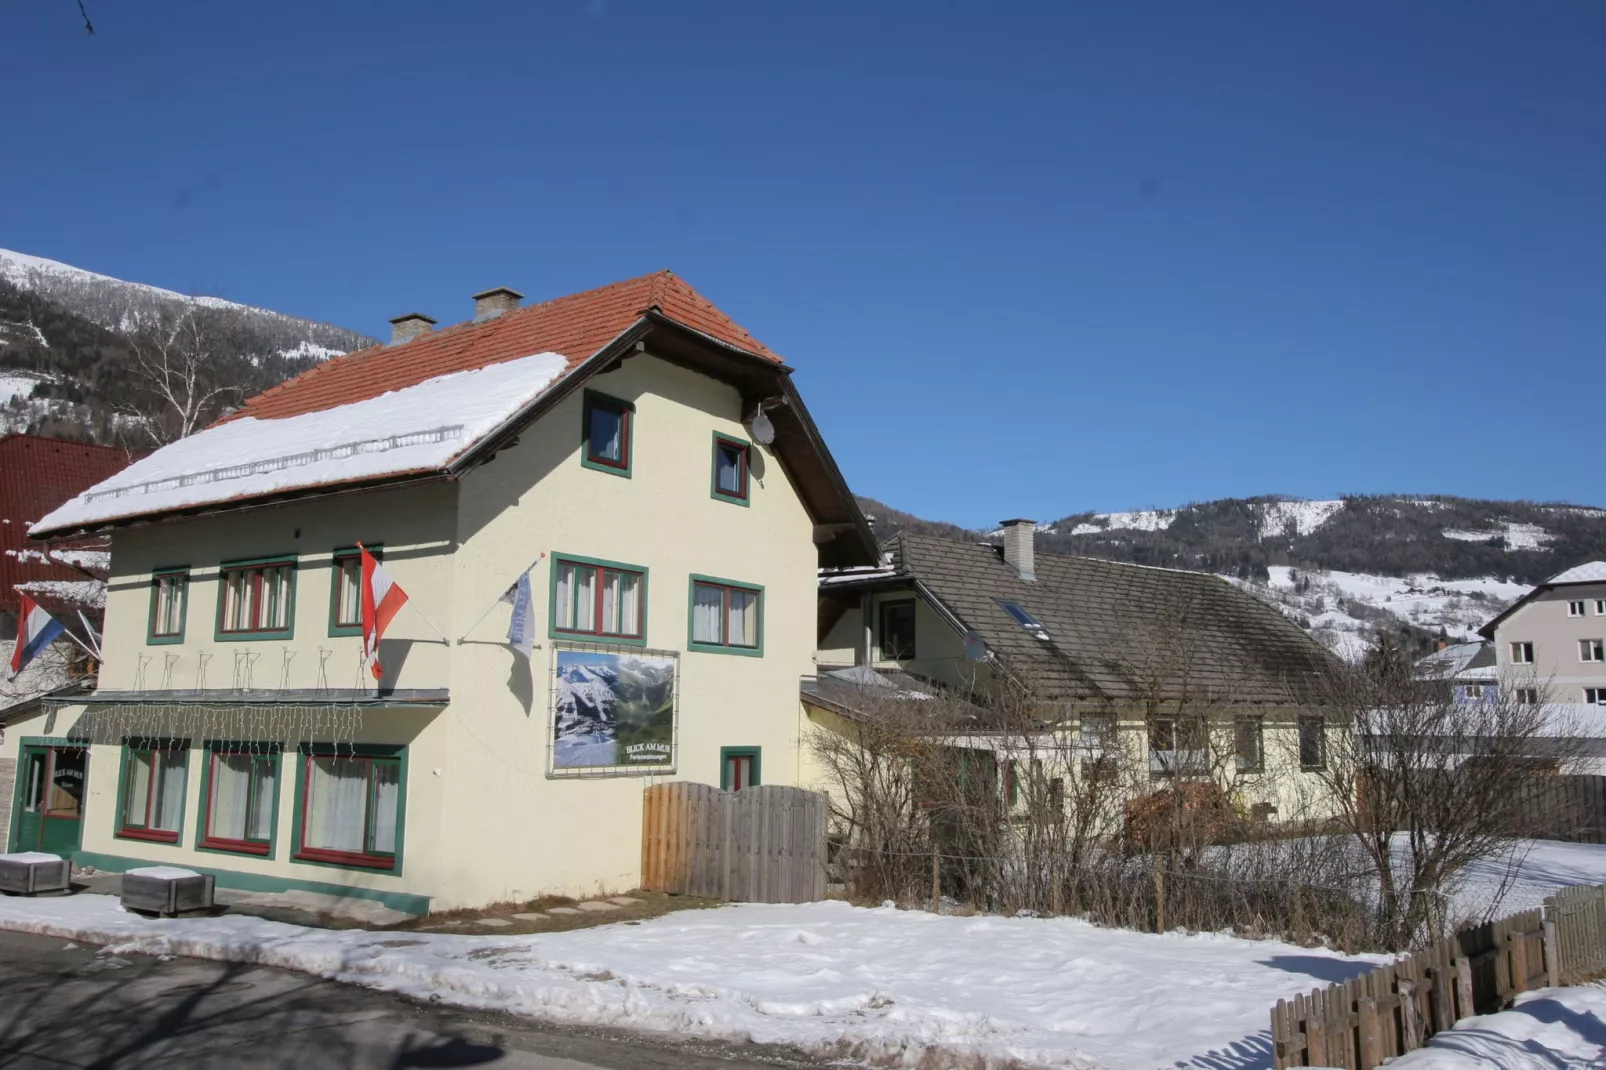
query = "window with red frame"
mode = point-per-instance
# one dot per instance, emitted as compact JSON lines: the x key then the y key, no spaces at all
{"x":607,"y":432}
{"x":597,"y":600}
{"x":241,"y":788}
{"x":256,"y":599}
{"x":153,"y":791}
{"x":350,"y":809}
{"x":730,"y":469}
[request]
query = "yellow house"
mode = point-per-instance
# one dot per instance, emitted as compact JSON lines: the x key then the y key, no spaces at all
{"x":1146,"y":675}
{"x":648,"y":464}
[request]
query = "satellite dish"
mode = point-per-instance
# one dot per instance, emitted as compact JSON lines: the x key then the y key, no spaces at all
{"x":762,"y":429}
{"x":975,"y":647}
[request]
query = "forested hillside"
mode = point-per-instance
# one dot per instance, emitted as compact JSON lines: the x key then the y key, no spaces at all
{"x":1427,"y":565}
{"x":88,"y":356}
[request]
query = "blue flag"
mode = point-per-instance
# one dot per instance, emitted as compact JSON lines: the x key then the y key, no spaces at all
{"x":520,"y":633}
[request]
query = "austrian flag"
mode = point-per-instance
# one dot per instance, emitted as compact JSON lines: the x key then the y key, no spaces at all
{"x":382,"y":599}
{"x":36,"y":630}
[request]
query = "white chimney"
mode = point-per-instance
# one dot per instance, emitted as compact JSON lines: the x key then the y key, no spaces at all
{"x":1018,"y":547}
{"x":492,"y":303}
{"x":406,"y":328}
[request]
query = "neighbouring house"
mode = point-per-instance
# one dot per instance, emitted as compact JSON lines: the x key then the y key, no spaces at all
{"x":650,"y":464}
{"x":1551,"y":643}
{"x":1184,"y":672}
{"x":37,"y":474}
{"x":1468,"y":669}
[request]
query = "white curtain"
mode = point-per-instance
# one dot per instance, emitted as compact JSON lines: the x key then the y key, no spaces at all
{"x":276,"y":594}
{"x":169,"y":806}
{"x":708,"y":603}
{"x":349,"y":609}
{"x":629,"y":604}
{"x":231,"y":796}
{"x":730,"y":470}
{"x":743,"y":630}
{"x":337,"y":803}
{"x":387,"y":805}
{"x":585,"y":584}
{"x":565,"y":596}
{"x":135,"y":807}
{"x":610,"y":603}
{"x":262,"y":796}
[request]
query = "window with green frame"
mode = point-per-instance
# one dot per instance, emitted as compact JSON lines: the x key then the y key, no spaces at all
{"x":150,"y":790}
{"x":603,"y":600}
{"x":606,"y":433}
{"x":256,"y":599}
{"x":730,"y":476}
{"x":727,"y":617}
{"x":170,"y":600}
{"x":345,"y":589}
{"x":740,"y":767}
{"x":351,"y":805}
{"x":239,"y":797}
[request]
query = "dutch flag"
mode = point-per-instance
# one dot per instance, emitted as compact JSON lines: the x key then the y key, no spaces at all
{"x":36,"y":630}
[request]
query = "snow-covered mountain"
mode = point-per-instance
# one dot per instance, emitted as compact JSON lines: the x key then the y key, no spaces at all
{"x":1423,"y":564}
{"x":67,"y":339}
{"x":125,"y":307}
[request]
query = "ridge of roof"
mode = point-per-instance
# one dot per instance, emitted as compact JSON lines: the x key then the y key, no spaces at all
{"x":575,"y":326}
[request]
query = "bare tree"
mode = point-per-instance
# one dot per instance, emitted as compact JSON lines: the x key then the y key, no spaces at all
{"x":188,"y":366}
{"x":1426,"y":785}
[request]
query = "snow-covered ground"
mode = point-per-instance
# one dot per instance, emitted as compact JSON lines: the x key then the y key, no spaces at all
{"x":891,"y":987}
{"x":1522,"y":880}
{"x":1516,"y":536}
{"x":1339,"y":607}
{"x":1547,"y":1030}
{"x":1138,"y":520}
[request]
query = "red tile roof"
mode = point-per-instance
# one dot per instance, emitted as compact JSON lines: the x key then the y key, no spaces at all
{"x":36,"y":475}
{"x":575,"y":326}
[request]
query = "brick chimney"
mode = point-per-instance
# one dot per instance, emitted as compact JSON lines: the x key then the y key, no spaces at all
{"x":492,"y":303}
{"x":1018,"y":547}
{"x":406,"y":328}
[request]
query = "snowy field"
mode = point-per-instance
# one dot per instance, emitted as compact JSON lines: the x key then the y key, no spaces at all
{"x":888,"y":987}
{"x":1546,"y":1030}
{"x":1541,"y":867}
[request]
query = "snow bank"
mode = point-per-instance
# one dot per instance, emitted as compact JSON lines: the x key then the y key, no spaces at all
{"x":1516,"y":536}
{"x":886,"y":986}
{"x":1551,"y":1028}
{"x":1306,"y":517}
{"x":419,"y":428}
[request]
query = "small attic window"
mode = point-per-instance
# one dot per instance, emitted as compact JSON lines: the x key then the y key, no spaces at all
{"x":1025,"y":619}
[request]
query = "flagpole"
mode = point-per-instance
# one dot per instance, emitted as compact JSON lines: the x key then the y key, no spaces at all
{"x":429,"y":622}
{"x":493,"y":605}
{"x":90,"y":631}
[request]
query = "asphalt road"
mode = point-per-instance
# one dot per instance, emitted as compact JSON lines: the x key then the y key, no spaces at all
{"x":65,"y":1005}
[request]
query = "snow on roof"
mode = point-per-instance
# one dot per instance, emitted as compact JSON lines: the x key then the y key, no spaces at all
{"x":1589,"y":572}
{"x":74,"y":592}
{"x":415,"y":429}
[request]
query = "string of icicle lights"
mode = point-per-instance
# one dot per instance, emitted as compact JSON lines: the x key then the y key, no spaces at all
{"x":259,"y":729}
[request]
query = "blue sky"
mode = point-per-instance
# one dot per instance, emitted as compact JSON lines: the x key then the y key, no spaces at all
{"x":1027,"y":261}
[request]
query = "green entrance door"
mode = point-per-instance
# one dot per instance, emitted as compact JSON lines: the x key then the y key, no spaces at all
{"x":50,"y":799}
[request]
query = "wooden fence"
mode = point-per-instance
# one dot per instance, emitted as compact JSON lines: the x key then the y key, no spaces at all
{"x":758,"y":845}
{"x":1571,"y":808}
{"x":1395,"y":1009}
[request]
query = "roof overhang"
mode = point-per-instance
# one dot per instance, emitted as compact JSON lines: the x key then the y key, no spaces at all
{"x":341,"y":697}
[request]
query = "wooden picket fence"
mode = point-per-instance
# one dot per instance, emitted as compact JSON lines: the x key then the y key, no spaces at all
{"x":1395,"y":1009}
{"x":758,"y":845}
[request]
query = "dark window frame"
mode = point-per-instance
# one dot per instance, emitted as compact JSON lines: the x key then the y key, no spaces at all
{"x":724,"y":646}
{"x":337,"y":559}
{"x":180,"y":575}
{"x":754,"y":755}
{"x":744,"y":450}
{"x":1258,"y":724}
{"x":626,"y":411}
{"x":259,"y":565}
{"x":1319,"y":726}
{"x":882,"y":630}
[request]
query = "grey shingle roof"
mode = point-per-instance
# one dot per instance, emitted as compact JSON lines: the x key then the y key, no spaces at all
{"x":1118,"y":631}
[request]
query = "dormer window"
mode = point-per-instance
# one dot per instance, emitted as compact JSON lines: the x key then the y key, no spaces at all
{"x":1025,"y":619}
{"x":606,"y":429}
